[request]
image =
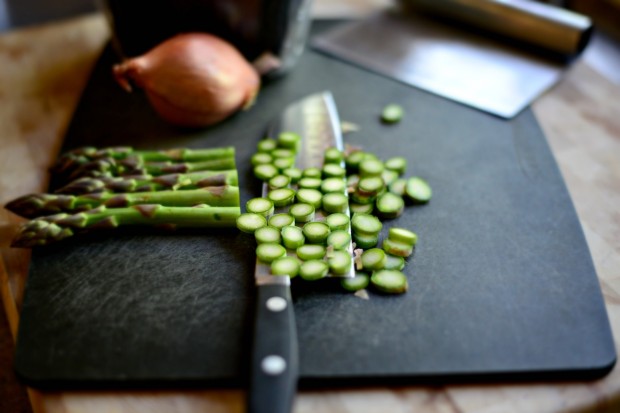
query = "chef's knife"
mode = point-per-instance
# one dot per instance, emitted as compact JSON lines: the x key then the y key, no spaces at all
{"x":274,"y":369}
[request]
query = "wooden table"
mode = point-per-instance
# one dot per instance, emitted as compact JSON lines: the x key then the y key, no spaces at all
{"x":42,"y":72}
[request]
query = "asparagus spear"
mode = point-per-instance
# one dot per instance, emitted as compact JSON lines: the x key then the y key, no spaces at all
{"x":35,"y":205}
{"x":145,"y":183}
{"x":133,"y":166}
{"x":76,"y":157}
{"x":49,"y":229}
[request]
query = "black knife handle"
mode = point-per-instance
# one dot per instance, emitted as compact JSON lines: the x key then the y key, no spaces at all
{"x":274,"y":368}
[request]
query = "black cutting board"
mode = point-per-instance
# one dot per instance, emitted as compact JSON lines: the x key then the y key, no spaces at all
{"x":502,"y":284}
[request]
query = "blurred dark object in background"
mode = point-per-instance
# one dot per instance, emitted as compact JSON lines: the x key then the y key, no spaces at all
{"x":604,"y":13}
{"x":19,"y":13}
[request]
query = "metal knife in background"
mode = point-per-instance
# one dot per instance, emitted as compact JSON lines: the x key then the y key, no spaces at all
{"x":274,"y":369}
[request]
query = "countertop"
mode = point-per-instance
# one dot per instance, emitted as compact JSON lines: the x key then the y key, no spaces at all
{"x":43,"y":70}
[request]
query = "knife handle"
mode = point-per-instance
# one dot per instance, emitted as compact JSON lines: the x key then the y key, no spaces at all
{"x":274,"y":368}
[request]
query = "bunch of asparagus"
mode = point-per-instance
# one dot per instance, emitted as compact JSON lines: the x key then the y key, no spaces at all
{"x":112,"y":187}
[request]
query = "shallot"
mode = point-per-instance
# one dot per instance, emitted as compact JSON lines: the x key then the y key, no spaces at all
{"x":192,"y":79}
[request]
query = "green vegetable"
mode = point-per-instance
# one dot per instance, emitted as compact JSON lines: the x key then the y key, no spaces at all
{"x":359,"y":282}
{"x":337,"y":221}
{"x":267,"y":235}
{"x":389,"y":176}
{"x":361,"y":208}
{"x":371,"y":167}
{"x":261,"y":206}
{"x":289,"y":140}
{"x":309,"y":183}
{"x":392,"y":262}
{"x":366,"y":224}
{"x":398,"y":187}
{"x":353,"y":161}
{"x":370,"y":186}
{"x":265,"y":172}
{"x":316,"y":232}
{"x":311,"y":252}
{"x":293,"y":173}
{"x":282,"y":153}
{"x":389,"y":281}
{"x":403,"y":235}
{"x":285,"y":266}
{"x":373,"y":259}
{"x":282,"y":197}
{"x":397,"y":248}
{"x":280,"y":221}
{"x":392,"y":113}
{"x":261,"y":158}
{"x":333,"y":155}
{"x":302,"y":212}
{"x":340,"y":240}
{"x":279,"y":181}
{"x":340,"y":262}
{"x":335,"y":202}
{"x":250,"y":222}
{"x":365,"y":241}
{"x":267,"y":145}
{"x":310,"y":196}
{"x":397,"y":164}
{"x":312,"y":173}
{"x":313,"y":270}
{"x":332,"y":170}
{"x":270,"y":252}
{"x":390,"y":205}
{"x":48,"y":229}
{"x":284,"y":163}
{"x":292,"y":237}
{"x":333,"y":185}
{"x":358,"y":198}
{"x":418,"y":190}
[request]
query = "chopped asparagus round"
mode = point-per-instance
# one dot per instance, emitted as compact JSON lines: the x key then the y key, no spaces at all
{"x":333,"y":155}
{"x":418,"y":190}
{"x":267,"y":145}
{"x":311,"y":252}
{"x":267,"y":235}
{"x":353,"y":160}
{"x":283,"y":163}
{"x":373,"y":259}
{"x":361,"y":208}
{"x":282,"y":197}
{"x":397,"y":248}
{"x":312,"y":173}
{"x":358,"y":198}
{"x":359,"y":282}
{"x":389,"y":176}
{"x":340,"y":262}
{"x":316,"y":232}
{"x":389,"y":281}
{"x":366,"y":224}
{"x":302,"y":212}
{"x":289,"y":140}
{"x":392,"y":262}
{"x":392,"y":113}
{"x":280,"y":153}
{"x":261,"y":158}
{"x":340,"y":240}
{"x":261,"y":206}
{"x":370,"y":185}
{"x":333,"y":185}
{"x":270,"y":252}
{"x":390,"y":205}
{"x":279,"y":181}
{"x":365,"y":241}
{"x":313,"y":270}
{"x":285,"y":266}
{"x":292,"y":237}
{"x":338,"y":221}
{"x":397,"y":164}
{"x":353,"y":180}
{"x":265,"y":172}
{"x":280,"y":221}
{"x":310,"y":196}
{"x":250,"y":222}
{"x":309,"y":183}
{"x":398,"y":187}
{"x":371,"y":167}
{"x":293,"y":173}
{"x":335,"y":202}
{"x":332,"y":170}
{"x":403,"y":235}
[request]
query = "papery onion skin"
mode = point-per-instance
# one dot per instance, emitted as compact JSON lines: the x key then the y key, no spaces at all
{"x":192,"y":79}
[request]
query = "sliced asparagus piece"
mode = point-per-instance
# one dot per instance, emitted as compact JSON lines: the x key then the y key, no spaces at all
{"x":389,"y":281}
{"x":359,"y":282}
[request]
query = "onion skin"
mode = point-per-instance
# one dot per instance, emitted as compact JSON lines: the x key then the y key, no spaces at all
{"x":193,"y":79}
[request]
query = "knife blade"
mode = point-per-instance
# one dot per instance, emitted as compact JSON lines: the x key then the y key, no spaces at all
{"x":274,"y":365}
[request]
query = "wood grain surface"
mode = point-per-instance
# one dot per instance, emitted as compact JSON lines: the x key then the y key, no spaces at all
{"x":42,"y":72}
